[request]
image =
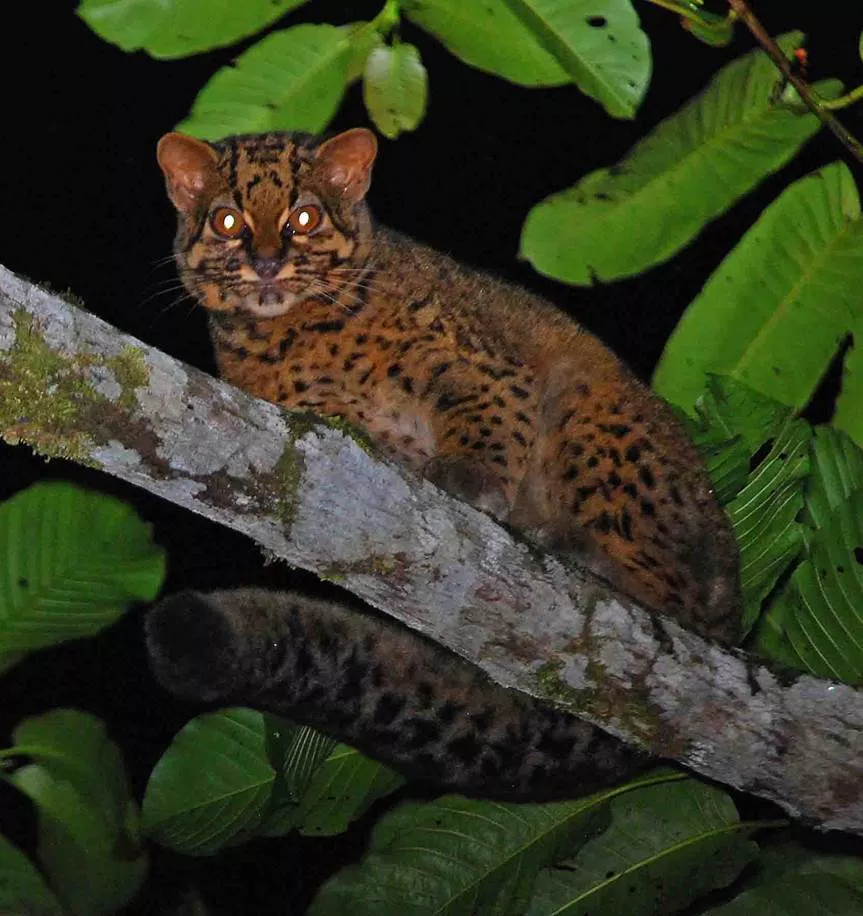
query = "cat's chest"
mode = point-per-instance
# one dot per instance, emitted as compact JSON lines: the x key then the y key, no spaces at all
{"x":415,"y":388}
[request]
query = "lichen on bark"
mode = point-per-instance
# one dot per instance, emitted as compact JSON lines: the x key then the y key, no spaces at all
{"x":48,"y":399}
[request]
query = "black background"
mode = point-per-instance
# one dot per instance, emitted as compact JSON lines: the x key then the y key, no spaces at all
{"x":84,"y":209}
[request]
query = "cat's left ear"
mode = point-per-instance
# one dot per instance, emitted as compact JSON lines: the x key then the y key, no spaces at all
{"x":189,"y":166}
{"x":346,"y":162}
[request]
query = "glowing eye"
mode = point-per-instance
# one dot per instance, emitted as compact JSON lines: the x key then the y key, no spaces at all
{"x":305,"y":219}
{"x":227,"y":222}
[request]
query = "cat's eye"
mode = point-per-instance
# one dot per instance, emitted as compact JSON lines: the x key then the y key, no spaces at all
{"x":305,"y":219}
{"x":227,"y":222}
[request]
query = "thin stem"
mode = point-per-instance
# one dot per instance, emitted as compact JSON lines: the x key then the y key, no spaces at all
{"x":855,"y":95}
{"x":810,"y":100}
{"x":388,"y":18}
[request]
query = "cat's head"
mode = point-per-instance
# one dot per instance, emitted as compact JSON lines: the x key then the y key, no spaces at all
{"x":268,"y":221}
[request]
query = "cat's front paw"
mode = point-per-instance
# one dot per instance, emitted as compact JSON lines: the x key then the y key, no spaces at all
{"x":470,"y":481}
{"x":192,"y":647}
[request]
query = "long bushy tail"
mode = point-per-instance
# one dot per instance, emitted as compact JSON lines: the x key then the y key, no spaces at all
{"x":383,"y":689}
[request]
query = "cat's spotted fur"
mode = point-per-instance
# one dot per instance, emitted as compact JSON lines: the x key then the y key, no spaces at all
{"x":477,"y":384}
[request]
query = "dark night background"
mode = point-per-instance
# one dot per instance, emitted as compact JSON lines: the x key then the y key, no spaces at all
{"x":84,"y":209}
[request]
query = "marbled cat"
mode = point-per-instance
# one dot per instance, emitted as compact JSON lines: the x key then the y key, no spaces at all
{"x":480,"y":386}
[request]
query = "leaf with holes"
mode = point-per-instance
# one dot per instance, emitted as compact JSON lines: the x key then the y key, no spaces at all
{"x":489,"y":36}
{"x":72,"y":560}
{"x":211,"y":788}
{"x":618,"y":221}
{"x":598,"y":42}
{"x":780,"y":305}
{"x":290,"y":80}
{"x":178,"y":28}
{"x":666,"y":846}
{"x":459,"y":856}
{"x":395,"y":86}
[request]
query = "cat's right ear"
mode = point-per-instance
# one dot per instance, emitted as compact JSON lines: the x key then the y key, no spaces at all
{"x":189,"y":166}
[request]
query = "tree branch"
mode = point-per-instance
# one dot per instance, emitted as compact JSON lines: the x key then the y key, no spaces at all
{"x":314,"y":496}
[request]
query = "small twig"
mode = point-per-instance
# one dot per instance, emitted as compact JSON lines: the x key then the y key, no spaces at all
{"x":810,"y":99}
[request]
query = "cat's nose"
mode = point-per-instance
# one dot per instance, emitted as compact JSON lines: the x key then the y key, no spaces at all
{"x":267,"y":268}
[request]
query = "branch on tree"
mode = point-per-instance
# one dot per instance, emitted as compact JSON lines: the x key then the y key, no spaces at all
{"x":315,"y":496}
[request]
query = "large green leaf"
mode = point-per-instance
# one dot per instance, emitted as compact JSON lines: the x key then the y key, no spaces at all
{"x":177,"y":28}
{"x":291,"y":80}
{"x":619,"y":221}
{"x":489,"y":36}
{"x":459,"y":856}
{"x":666,"y":846}
{"x":342,"y":790}
{"x":395,"y":88}
{"x":88,"y":824}
{"x":778,"y":308}
{"x":212,"y":786}
{"x":71,"y":562}
{"x":22,"y":888}
{"x":599,"y":43}
{"x":796,"y":895}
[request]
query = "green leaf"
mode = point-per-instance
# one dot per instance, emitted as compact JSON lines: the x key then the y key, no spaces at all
{"x":363,"y":38}
{"x":849,"y":405}
{"x":796,"y":895}
{"x":296,"y":753}
{"x":764,"y":515}
{"x":731,"y":409}
{"x":290,"y":80}
{"x":458,"y":856}
{"x":598,"y":42}
{"x":210,"y":789}
{"x":785,"y":855}
{"x":779,"y":306}
{"x":837,"y":472}
{"x":74,"y":746}
{"x":819,"y":614}
{"x":733,"y":423}
{"x":342,"y":790}
{"x":89,"y":843}
{"x":73,"y":560}
{"x":178,"y":28}
{"x":394,"y":88}
{"x":711,"y":28}
{"x":490,"y":37}
{"x":666,"y":846}
{"x":619,"y":221}
{"x":22,"y":888}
